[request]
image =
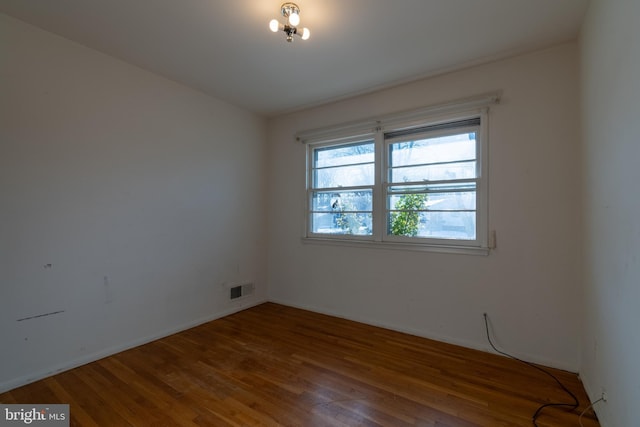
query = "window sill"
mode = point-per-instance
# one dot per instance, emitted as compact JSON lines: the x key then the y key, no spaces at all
{"x":420,"y":247}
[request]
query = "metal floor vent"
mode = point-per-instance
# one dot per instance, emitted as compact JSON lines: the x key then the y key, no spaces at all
{"x":241,"y":291}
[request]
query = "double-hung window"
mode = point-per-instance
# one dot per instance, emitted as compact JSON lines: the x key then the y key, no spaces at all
{"x":419,"y":183}
{"x":432,"y":179}
{"x":343,"y":180}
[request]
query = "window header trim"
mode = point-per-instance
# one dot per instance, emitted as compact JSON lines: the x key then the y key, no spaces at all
{"x":363,"y":128}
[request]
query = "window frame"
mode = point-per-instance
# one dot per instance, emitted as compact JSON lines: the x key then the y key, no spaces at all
{"x":480,"y":184}
{"x":375,"y":130}
{"x":310,"y":190}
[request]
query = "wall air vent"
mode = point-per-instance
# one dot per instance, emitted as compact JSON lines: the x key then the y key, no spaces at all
{"x":240,"y":291}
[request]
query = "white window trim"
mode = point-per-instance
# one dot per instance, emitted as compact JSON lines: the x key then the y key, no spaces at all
{"x":374,"y":129}
{"x":309,"y":194}
{"x":359,"y":128}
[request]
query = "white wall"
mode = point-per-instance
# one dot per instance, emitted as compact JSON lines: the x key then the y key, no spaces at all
{"x":611,"y":132}
{"x":529,"y":285}
{"x":109,"y":171}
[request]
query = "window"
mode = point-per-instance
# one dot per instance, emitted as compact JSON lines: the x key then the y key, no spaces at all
{"x":432,"y":182}
{"x":409,"y":182}
{"x":343,"y":178}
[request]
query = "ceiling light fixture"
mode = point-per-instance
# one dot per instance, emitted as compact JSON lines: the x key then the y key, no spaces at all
{"x":291,"y":12}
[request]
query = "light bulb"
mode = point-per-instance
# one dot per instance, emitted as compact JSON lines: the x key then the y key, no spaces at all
{"x":273,"y":25}
{"x":305,"y":34}
{"x":294,"y":19}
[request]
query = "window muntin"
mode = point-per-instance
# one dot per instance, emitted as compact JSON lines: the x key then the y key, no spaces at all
{"x":356,"y":188}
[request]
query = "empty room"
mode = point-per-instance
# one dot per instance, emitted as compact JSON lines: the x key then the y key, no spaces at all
{"x":319,"y":213}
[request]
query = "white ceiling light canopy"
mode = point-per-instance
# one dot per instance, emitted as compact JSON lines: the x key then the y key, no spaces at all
{"x":291,"y":12}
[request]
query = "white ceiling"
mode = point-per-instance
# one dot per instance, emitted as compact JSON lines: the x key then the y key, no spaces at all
{"x":225,"y":48}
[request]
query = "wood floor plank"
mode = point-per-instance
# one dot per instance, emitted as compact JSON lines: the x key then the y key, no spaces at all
{"x":273,"y":365}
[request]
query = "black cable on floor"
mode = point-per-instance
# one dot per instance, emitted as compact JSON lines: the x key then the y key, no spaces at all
{"x":535,"y":415}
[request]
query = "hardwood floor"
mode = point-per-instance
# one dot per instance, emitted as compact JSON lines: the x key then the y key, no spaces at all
{"x":273,"y":365}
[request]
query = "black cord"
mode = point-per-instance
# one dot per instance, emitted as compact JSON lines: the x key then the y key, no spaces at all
{"x":535,"y":415}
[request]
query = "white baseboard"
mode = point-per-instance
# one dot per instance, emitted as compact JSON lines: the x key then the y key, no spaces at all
{"x":20,"y":381}
{"x":52,"y":370}
{"x":422,"y":334}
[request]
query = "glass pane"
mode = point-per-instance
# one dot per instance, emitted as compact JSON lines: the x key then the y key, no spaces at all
{"x":464,"y":170}
{"x":449,"y":225}
{"x":434,"y":201}
{"x":344,"y":176}
{"x":342,"y":223}
{"x":405,"y":221}
{"x":342,"y":201}
{"x":361,"y":152}
{"x":450,"y":148}
{"x":436,"y":225}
